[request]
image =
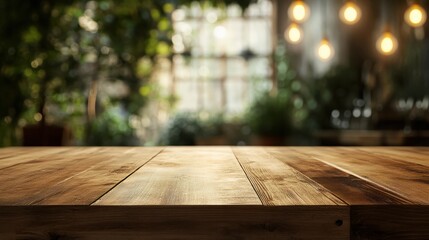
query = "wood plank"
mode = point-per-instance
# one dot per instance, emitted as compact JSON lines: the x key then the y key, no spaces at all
{"x":175,"y":222}
{"x":19,"y":155}
{"x":396,"y":222}
{"x":279,"y":184}
{"x":406,"y":179}
{"x":186,"y":176}
{"x":13,"y":151}
{"x":411,"y":155}
{"x":373,"y":216}
{"x":78,"y":176}
{"x":205,"y":194}
{"x":351,"y":189}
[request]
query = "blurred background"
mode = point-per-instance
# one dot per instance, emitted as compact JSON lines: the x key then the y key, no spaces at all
{"x":214,"y":72}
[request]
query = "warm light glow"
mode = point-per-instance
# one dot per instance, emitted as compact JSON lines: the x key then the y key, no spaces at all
{"x":415,"y":16}
{"x":293,"y":34}
{"x":325,"y":51}
{"x":299,"y":11}
{"x":387,"y":44}
{"x":350,"y":13}
{"x":220,"y":32}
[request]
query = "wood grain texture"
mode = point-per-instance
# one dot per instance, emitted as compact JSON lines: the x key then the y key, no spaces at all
{"x":19,"y":155}
{"x":349,"y":188}
{"x":393,"y":222}
{"x":279,"y":184}
{"x":175,"y":222}
{"x":186,"y":176}
{"x":212,"y":193}
{"x":412,"y":155}
{"x":410,"y":180}
{"x":76,"y":176}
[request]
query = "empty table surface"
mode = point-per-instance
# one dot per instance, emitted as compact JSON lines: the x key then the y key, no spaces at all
{"x":214,"y":193}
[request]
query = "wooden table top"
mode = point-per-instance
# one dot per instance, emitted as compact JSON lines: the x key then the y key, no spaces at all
{"x":325,"y":177}
{"x":214,"y":176}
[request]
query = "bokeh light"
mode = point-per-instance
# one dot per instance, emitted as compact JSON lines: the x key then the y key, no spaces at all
{"x":299,"y":11}
{"x":325,"y":51}
{"x":293,"y":34}
{"x":350,"y":13}
{"x":415,"y":16}
{"x":387,"y":44}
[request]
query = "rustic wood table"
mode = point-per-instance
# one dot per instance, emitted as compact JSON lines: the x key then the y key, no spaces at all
{"x":214,"y":193}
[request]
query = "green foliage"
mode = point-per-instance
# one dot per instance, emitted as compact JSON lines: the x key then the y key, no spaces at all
{"x":112,"y":128}
{"x":181,"y":130}
{"x":29,"y":59}
{"x":408,"y":76}
{"x":301,"y":98}
{"x":212,"y":126}
{"x":47,"y":51}
{"x":335,"y":90}
{"x":288,"y":111}
{"x":270,"y":115}
{"x":32,"y":35}
{"x":68,"y":108}
{"x":338,"y":87}
{"x":242,"y":3}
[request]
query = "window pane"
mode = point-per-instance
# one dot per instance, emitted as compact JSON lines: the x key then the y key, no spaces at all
{"x":259,"y":67}
{"x":212,"y":95}
{"x":236,"y":68}
{"x":236,"y":95}
{"x":187,"y":93}
{"x":216,"y":76}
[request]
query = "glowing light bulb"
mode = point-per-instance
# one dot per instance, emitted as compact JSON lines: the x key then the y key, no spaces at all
{"x":415,"y":16}
{"x":350,"y":13}
{"x":387,"y":44}
{"x":293,"y":34}
{"x":299,"y":11}
{"x":325,"y":51}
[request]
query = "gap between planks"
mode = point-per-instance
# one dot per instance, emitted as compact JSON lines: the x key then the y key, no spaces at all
{"x":278,"y":193}
{"x":247,"y":176}
{"x":186,"y":176}
{"x":119,"y":182}
{"x":305,"y":163}
{"x":404,"y":179}
{"x":365,"y":179}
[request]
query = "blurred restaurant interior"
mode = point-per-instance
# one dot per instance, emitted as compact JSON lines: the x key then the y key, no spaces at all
{"x":214,"y":72}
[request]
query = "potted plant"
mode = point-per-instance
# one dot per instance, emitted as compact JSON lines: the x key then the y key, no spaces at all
{"x":181,"y":130}
{"x":112,"y":128}
{"x":269,"y":119}
{"x":212,"y":131}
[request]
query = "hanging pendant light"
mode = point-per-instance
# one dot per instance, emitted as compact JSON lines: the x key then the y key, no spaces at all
{"x":387,"y":44}
{"x":415,"y":16}
{"x":293,"y":34}
{"x":299,"y":11}
{"x":325,"y":51}
{"x":350,"y":13}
